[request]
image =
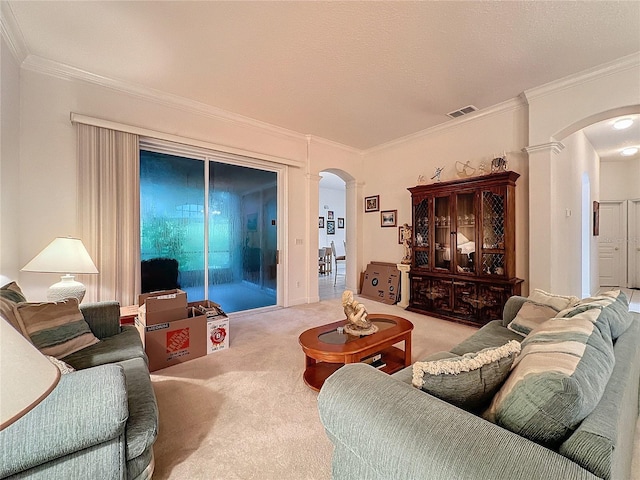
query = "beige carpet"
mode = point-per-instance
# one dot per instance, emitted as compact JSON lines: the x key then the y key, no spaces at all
{"x":245,"y":413}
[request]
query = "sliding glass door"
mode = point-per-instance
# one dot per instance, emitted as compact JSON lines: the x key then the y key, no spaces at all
{"x":187,"y":203}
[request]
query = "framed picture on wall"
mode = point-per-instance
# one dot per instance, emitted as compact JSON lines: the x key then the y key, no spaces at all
{"x":340,"y":222}
{"x":330,"y":215}
{"x":372,"y":204}
{"x":400,"y":229}
{"x":320,"y":222}
{"x":331,"y":227}
{"x":596,"y":218}
{"x":388,"y":218}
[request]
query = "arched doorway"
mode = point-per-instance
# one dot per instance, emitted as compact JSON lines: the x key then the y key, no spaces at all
{"x":332,"y":237}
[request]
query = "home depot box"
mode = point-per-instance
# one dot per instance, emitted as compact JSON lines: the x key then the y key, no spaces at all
{"x":174,"y":342}
{"x":381,"y":282}
{"x":162,"y":306}
{"x":217,"y":325}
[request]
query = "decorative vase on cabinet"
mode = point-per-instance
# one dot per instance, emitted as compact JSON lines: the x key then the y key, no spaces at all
{"x":463,"y":265}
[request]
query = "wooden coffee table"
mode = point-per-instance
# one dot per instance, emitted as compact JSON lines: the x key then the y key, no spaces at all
{"x":326,"y":350}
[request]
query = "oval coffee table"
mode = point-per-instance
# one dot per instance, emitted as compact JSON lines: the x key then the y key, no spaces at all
{"x":326,"y":349}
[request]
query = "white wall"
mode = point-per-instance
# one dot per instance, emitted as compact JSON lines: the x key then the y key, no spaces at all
{"x":557,"y":111}
{"x":566,"y":263}
{"x":620,"y":179}
{"x":48,"y":163}
{"x":391,"y":170}
{"x":9,"y":163}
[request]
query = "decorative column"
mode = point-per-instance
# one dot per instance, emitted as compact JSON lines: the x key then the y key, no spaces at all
{"x":405,"y":289}
{"x":542,"y":211}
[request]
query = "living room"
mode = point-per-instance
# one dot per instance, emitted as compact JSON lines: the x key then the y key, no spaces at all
{"x":538,"y":127}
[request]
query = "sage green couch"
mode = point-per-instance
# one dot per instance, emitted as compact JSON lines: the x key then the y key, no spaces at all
{"x":100,"y":422}
{"x":384,"y":428}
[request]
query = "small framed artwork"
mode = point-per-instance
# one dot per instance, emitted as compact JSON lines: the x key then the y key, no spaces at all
{"x":372,"y":204}
{"x":331,"y":227}
{"x":596,"y":218}
{"x":388,"y":218}
{"x":330,"y":215}
{"x":340,"y":222}
{"x":320,"y":222}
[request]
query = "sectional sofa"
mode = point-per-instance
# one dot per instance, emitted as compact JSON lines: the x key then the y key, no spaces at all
{"x":385,"y":427}
{"x":100,"y":421}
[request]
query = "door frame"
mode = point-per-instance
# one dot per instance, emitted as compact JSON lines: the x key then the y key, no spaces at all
{"x":633,"y":242}
{"x":624,"y":265}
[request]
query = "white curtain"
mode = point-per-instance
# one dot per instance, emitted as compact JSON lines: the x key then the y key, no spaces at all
{"x":109,"y":211}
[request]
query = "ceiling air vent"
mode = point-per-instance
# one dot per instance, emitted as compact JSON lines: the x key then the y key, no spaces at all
{"x":463,"y":111}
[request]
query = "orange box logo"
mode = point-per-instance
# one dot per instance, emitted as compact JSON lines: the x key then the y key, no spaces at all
{"x":177,"y":340}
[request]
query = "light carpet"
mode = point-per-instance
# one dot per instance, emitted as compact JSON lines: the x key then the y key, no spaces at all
{"x":245,"y":413}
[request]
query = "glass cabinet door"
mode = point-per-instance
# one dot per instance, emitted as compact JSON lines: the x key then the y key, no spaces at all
{"x":493,"y":232}
{"x":465,"y":233}
{"x":442,"y":240}
{"x":421,"y":234}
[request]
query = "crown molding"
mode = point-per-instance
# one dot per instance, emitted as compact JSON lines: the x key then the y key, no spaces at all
{"x":48,"y":67}
{"x":604,"y":70}
{"x":12,"y":34}
{"x":330,"y":143}
{"x":553,"y":147}
{"x":508,"y":105}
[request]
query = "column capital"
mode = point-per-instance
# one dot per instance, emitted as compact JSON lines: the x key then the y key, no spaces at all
{"x":553,"y":147}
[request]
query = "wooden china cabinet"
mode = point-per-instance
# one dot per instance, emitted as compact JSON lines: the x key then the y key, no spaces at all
{"x":463,"y":266}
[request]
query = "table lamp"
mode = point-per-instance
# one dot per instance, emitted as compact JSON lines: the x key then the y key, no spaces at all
{"x":27,"y":376}
{"x":63,"y":255}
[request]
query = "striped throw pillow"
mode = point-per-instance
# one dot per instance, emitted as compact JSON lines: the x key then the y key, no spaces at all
{"x":55,"y":328}
{"x":614,"y":311}
{"x":10,"y":295}
{"x":556,"y":381}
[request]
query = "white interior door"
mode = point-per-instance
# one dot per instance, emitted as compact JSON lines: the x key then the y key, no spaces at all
{"x":634,"y":244}
{"x":611,"y":244}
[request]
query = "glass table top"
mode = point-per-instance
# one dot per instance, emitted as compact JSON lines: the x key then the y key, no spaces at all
{"x":335,"y":337}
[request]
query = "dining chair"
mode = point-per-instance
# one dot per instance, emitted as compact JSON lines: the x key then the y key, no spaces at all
{"x":336,"y":259}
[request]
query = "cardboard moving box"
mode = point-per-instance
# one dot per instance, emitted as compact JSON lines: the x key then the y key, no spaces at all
{"x":174,"y":342}
{"x":163,"y":306}
{"x":381,"y":282}
{"x":217,"y":325}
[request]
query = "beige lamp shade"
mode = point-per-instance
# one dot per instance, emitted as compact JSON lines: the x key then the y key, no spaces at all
{"x":63,"y":255}
{"x":27,"y":375}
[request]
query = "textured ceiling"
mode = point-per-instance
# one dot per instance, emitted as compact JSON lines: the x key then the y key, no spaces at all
{"x":358,"y":73}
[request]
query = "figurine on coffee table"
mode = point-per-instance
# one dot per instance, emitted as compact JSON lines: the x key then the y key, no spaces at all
{"x":358,"y":324}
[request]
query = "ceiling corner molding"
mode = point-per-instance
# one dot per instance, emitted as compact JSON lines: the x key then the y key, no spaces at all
{"x":604,"y":70}
{"x":12,"y":34}
{"x":507,"y":105}
{"x":553,"y":147}
{"x":48,"y":67}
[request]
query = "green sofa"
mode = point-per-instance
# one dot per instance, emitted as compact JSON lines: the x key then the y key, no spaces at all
{"x":382,"y":427}
{"x":99,"y":422}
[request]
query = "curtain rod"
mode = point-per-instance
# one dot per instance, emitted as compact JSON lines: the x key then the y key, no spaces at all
{"x":145,"y":132}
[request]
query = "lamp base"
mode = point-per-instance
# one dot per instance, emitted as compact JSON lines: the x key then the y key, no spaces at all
{"x":67,"y":287}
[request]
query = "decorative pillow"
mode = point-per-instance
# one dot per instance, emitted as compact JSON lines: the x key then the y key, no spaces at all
{"x":529,"y":316}
{"x":614,"y":311}
{"x":469,"y":381}
{"x":10,"y":295}
{"x":62,"y":366}
{"x":556,"y":381}
{"x":55,"y":328}
{"x":559,"y":302}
